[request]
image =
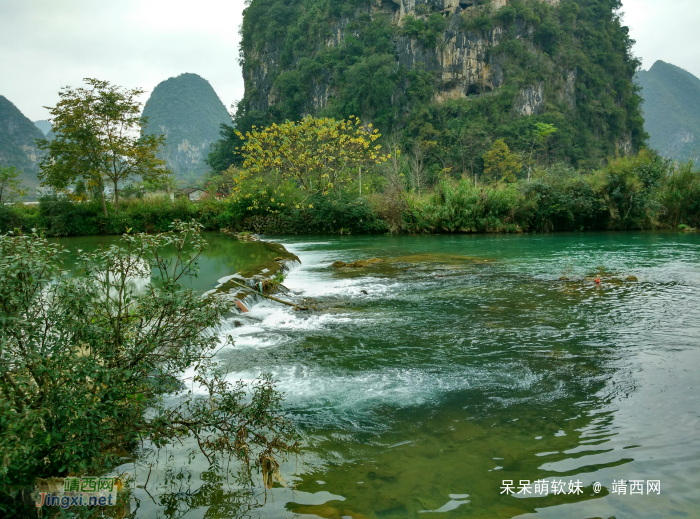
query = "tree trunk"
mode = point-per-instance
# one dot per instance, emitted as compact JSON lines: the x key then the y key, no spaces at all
{"x":102,"y":196}
{"x":116,"y":198}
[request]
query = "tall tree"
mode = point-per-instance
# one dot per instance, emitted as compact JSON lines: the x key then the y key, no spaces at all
{"x":540,"y":135}
{"x":100,"y":138}
{"x":471,"y":143}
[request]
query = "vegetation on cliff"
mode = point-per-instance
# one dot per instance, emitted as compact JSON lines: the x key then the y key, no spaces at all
{"x":568,"y":65}
{"x":189,"y":113}
{"x":18,"y":147}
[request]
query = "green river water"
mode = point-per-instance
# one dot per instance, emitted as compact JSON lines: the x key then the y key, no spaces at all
{"x":461,"y":362}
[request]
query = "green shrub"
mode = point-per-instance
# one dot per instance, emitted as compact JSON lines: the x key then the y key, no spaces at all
{"x":639,"y":192}
{"x":62,"y":217}
{"x":630,"y":187}
{"x":680,"y":195}
{"x":463,"y":207}
{"x":18,"y":216}
{"x":506,"y":15}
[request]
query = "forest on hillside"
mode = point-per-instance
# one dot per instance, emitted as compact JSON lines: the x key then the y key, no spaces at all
{"x":534,"y":44}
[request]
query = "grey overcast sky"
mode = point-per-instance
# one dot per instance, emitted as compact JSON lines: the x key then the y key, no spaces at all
{"x":47,"y":44}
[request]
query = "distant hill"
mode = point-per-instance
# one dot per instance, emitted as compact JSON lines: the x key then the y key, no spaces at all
{"x":187,"y":110}
{"x":17,"y":142}
{"x":47,"y":128}
{"x":671,"y":110}
{"x":44,"y":126}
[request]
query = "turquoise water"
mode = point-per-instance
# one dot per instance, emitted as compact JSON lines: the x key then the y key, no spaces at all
{"x":223,"y":256}
{"x":426,"y":380}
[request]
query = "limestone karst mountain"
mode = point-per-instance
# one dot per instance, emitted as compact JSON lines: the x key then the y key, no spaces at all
{"x":671,"y":110}
{"x":435,"y":70}
{"x":17,"y":142}
{"x":189,"y":113}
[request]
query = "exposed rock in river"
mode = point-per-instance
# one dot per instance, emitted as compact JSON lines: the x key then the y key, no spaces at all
{"x":358,"y":263}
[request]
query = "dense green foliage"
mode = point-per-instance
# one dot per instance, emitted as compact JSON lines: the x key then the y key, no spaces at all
{"x":671,"y":110}
{"x":62,"y":217}
{"x":222,"y":153}
{"x":65,"y":218}
{"x":641,"y":192}
{"x":625,"y":195}
{"x":9,"y":184}
{"x":85,"y":363}
{"x":362,"y":70}
{"x":17,"y":142}
{"x":680,"y":196}
{"x":542,"y":44}
{"x":187,"y":110}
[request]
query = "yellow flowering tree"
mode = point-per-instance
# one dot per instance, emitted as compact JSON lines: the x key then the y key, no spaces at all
{"x":316,"y":155}
{"x":501,"y":163}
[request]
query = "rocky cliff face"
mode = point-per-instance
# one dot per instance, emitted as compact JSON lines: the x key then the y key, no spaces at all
{"x":527,"y":53}
{"x":462,"y":63}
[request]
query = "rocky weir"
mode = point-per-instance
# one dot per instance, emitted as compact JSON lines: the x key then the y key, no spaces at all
{"x":260,"y":282}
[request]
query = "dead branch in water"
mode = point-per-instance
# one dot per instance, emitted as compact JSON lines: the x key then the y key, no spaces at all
{"x":269,"y":297}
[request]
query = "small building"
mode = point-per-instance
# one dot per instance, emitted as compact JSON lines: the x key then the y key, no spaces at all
{"x":193,"y":193}
{"x":42,"y":191}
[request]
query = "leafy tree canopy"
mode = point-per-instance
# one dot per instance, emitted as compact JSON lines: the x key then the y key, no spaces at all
{"x":9,"y":184}
{"x":83,"y":359}
{"x":500,"y":163}
{"x":319,"y":156}
{"x":100,"y":139}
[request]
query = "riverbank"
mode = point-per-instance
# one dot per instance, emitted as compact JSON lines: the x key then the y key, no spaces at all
{"x":637,"y":193}
{"x":452,"y":208}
